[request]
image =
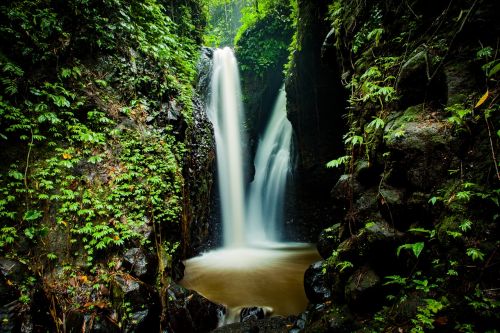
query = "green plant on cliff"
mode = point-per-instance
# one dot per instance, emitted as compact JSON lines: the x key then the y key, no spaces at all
{"x":448,"y":279}
{"x":263,"y":37}
{"x":371,"y":80}
{"x":91,"y":161}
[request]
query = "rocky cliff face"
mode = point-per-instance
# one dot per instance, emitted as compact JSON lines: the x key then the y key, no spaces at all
{"x":99,"y":132}
{"x":316,"y":103}
{"x":420,"y":189}
{"x":200,"y":227}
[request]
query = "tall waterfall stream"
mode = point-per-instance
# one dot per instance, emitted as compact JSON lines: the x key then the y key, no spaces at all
{"x":253,"y":268}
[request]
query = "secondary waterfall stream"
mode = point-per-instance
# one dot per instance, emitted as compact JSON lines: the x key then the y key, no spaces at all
{"x":252,"y":268}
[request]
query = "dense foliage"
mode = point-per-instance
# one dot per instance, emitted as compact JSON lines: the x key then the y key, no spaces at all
{"x":93,"y":94}
{"x":449,"y":256}
{"x":264,"y":37}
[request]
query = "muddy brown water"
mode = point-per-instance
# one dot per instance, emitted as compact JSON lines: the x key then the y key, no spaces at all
{"x":271,"y":277}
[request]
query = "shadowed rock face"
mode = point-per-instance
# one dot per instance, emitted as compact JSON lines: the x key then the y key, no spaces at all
{"x":315,"y":106}
{"x":187,"y":311}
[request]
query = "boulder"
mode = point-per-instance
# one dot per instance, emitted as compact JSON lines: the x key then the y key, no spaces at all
{"x":79,"y":321}
{"x":254,"y":313}
{"x":266,"y":325}
{"x":362,"y":291}
{"x":335,"y":319}
{"x":393,"y":208}
{"x":140,"y":264}
{"x":366,"y":206}
{"x":137,"y":303}
{"x":421,"y":149}
{"x":329,"y":239}
{"x":421,"y":80}
{"x":375,"y":243}
{"x":316,"y":284}
{"x":346,"y":187}
{"x":15,"y":315}
{"x":187,"y":311}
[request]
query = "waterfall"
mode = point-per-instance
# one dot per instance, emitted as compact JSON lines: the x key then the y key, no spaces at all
{"x":252,"y":269}
{"x":225,"y":111}
{"x":272,"y":168}
{"x":250,"y":215}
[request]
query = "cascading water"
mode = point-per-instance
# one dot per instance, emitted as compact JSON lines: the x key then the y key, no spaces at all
{"x":239,"y":275}
{"x":260,"y":222}
{"x":225,"y":112}
{"x":272,"y":168}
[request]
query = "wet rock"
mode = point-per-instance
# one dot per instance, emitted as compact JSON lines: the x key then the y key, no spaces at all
{"x":103,"y":324}
{"x":199,"y":172}
{"x":78,"y":321}
{"x":254,"y":313}
{"x":335,"y":319}
{"x":421,"y":80}
{"x":329,"y":239}
{"x":392,"y":205}
{"x":316,"y":285}
{"x":13,"y":313}
{"x":300,"y":323}
{"x":421,"y":149}
{"x":345,"y":188}
{"x":366,"y":206}
{"x":461,"y":79}
{"x":368,"y":174}
{"x":375,"y":243}
{"x":266,"y":325}
{"x":314,"y":93}
{"x":13,"y":270}
{"x":188,"y":311}
{"x":204,"y":70}
{"x":17,"y":316}
{"x":137,"y":303}
{"x":362,"y":291}
{"x":140,"y":264}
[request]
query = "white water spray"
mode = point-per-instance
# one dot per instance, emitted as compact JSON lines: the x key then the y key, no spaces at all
{"x":225,"y":112}
{"x":272,"y":169}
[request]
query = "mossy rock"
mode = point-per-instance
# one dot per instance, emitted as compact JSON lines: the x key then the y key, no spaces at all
{"x":421,"y":79}
{"x":362,"y":291}
{"x":422,"y":149}
{"x":414,"y":129}
{"x":375,"y":243}
{"x":334,"y":319}
{"x":329,"y":239}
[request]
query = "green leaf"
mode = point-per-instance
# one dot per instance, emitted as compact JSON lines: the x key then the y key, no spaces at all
{"x":16,"y":174}
{"x":354,"y":140}
{"x":375,"y":124}
{"x":32,"y":215}
{"x":475,"y":254}
{"x":466,"y":225}
{"x":416,"y":248}
{"x":395,"y":279}
{"x":30,"y":232}
{"x":338,"y":162}
{"x":494,"y":70}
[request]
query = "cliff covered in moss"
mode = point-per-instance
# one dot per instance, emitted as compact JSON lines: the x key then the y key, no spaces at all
{"x":413,"y":242}
{"x":98,"y":111}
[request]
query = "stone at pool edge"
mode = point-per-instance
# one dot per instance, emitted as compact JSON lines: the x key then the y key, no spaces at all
{"x":316,"y":286}
{"x":189,"y":312}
